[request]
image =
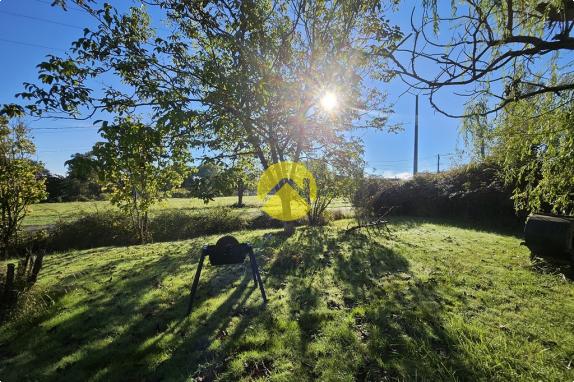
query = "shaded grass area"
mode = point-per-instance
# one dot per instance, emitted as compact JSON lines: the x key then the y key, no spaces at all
{"x":432,"y":302}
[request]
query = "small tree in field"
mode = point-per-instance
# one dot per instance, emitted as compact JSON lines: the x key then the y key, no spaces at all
{"x":140,"y":165}
{"x":336,"y":176}
{"x":207,"y":181}
{"x":214,"y":178}
{"x":242,"y":175}
{"x":20,"y":185}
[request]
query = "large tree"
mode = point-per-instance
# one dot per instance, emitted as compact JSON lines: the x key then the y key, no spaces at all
{"x":245,"y":77}
{"x":82,"y":180}
{"x":83,"y":166}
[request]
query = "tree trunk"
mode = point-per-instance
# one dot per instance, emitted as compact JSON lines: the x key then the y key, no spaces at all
{"x":288,"y":228}
{"x":240,"y":191}
{"x":288,"y":225}
{"x":144,"y":232}
{"x":9,"y":293}
{"x":36,"y":269}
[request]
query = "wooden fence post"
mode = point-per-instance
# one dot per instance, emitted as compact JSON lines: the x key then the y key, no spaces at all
{"x":36,"y":269}
{"x":9,"y":284}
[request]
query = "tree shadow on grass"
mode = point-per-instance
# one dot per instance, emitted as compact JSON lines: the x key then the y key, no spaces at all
{"x":506,"y":226}
{"x":397,"y":318}
{"x":364,"y":265}
{"x":561,"y":267}
{"x":133,"y":329}
{"x":103,"y":326}
{"x":113,"y":333}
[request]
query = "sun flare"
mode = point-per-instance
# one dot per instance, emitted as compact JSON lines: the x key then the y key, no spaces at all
{"x":329,"y":101}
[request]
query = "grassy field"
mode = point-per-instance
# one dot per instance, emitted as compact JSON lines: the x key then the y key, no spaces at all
{"x":43,"y":214}
{"x":50,"y":213}
{"x":432,"y":302}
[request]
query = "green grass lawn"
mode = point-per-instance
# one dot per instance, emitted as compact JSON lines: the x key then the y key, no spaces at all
{"x":50,"y":213}
{"x":433,"y":302}
{"x":43,"y":214}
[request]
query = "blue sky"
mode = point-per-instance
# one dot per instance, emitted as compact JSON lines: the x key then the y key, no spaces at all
{"x":26,"y":38}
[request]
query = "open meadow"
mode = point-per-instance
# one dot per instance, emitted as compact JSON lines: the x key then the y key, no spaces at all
{"x":46,"y":214}
{"x":430,"y":302}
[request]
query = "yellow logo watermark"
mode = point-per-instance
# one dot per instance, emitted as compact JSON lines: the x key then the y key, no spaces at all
{"x":287,"y":190}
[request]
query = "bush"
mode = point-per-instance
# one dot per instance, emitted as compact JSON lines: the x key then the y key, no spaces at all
{"x":32,"y":242}
{"x":176,"y":225}
{"x":340,"y":214}
{"x":109,"y":228}
{"x":263,"y":221}
{"x":112,"y":228}
{"x":331,"y":215}
{"x":474,"y":191}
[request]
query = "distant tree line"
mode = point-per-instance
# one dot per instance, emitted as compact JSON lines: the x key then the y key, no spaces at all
{"x":80,"y":182}
{"x":206,"y":181}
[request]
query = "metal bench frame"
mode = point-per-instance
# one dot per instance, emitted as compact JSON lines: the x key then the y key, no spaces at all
{"x":254,"y":270}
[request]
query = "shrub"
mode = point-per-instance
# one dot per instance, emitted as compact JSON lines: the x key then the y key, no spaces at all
{"x":263,"y":221}
{"x":112,"y":228}
{"x":474,"y":191}
{"x":340,"y":214}
{"x":176,"y":225}
{"x":332,"y":215}
{"x":109,"y":228}
{"x":32,"y":242}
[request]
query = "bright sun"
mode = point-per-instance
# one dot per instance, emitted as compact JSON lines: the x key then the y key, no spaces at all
{"x":329,"y":101}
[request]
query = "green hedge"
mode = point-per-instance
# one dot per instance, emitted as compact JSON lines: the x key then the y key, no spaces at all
{"x":175,"y":225}
{"x":112,"y":228}
{"x":474,"y":191}
{"x":100,"y":229}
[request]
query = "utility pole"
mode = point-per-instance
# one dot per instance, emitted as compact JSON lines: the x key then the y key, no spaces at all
{"x":416,"y":158}
{"x":437,"y":163}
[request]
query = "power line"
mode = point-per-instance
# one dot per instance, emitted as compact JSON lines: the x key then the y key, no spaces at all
{"x":393,"y":161}
{"x":63,"y":128}
{"x":28,"y":44}
{"x":410,"y":160}
{"x":65,"y":151}
{"x":78,"y":9}
{"x":41,"y":19}
{"x":70,"y":7}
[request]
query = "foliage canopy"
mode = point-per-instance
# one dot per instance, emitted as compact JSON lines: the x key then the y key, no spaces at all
{"x":20,"y":183}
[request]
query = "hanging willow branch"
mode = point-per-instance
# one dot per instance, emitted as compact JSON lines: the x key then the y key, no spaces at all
{"x":505,"y":50}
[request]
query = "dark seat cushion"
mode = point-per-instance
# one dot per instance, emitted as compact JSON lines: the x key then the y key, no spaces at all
{"x":229,"y":254}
